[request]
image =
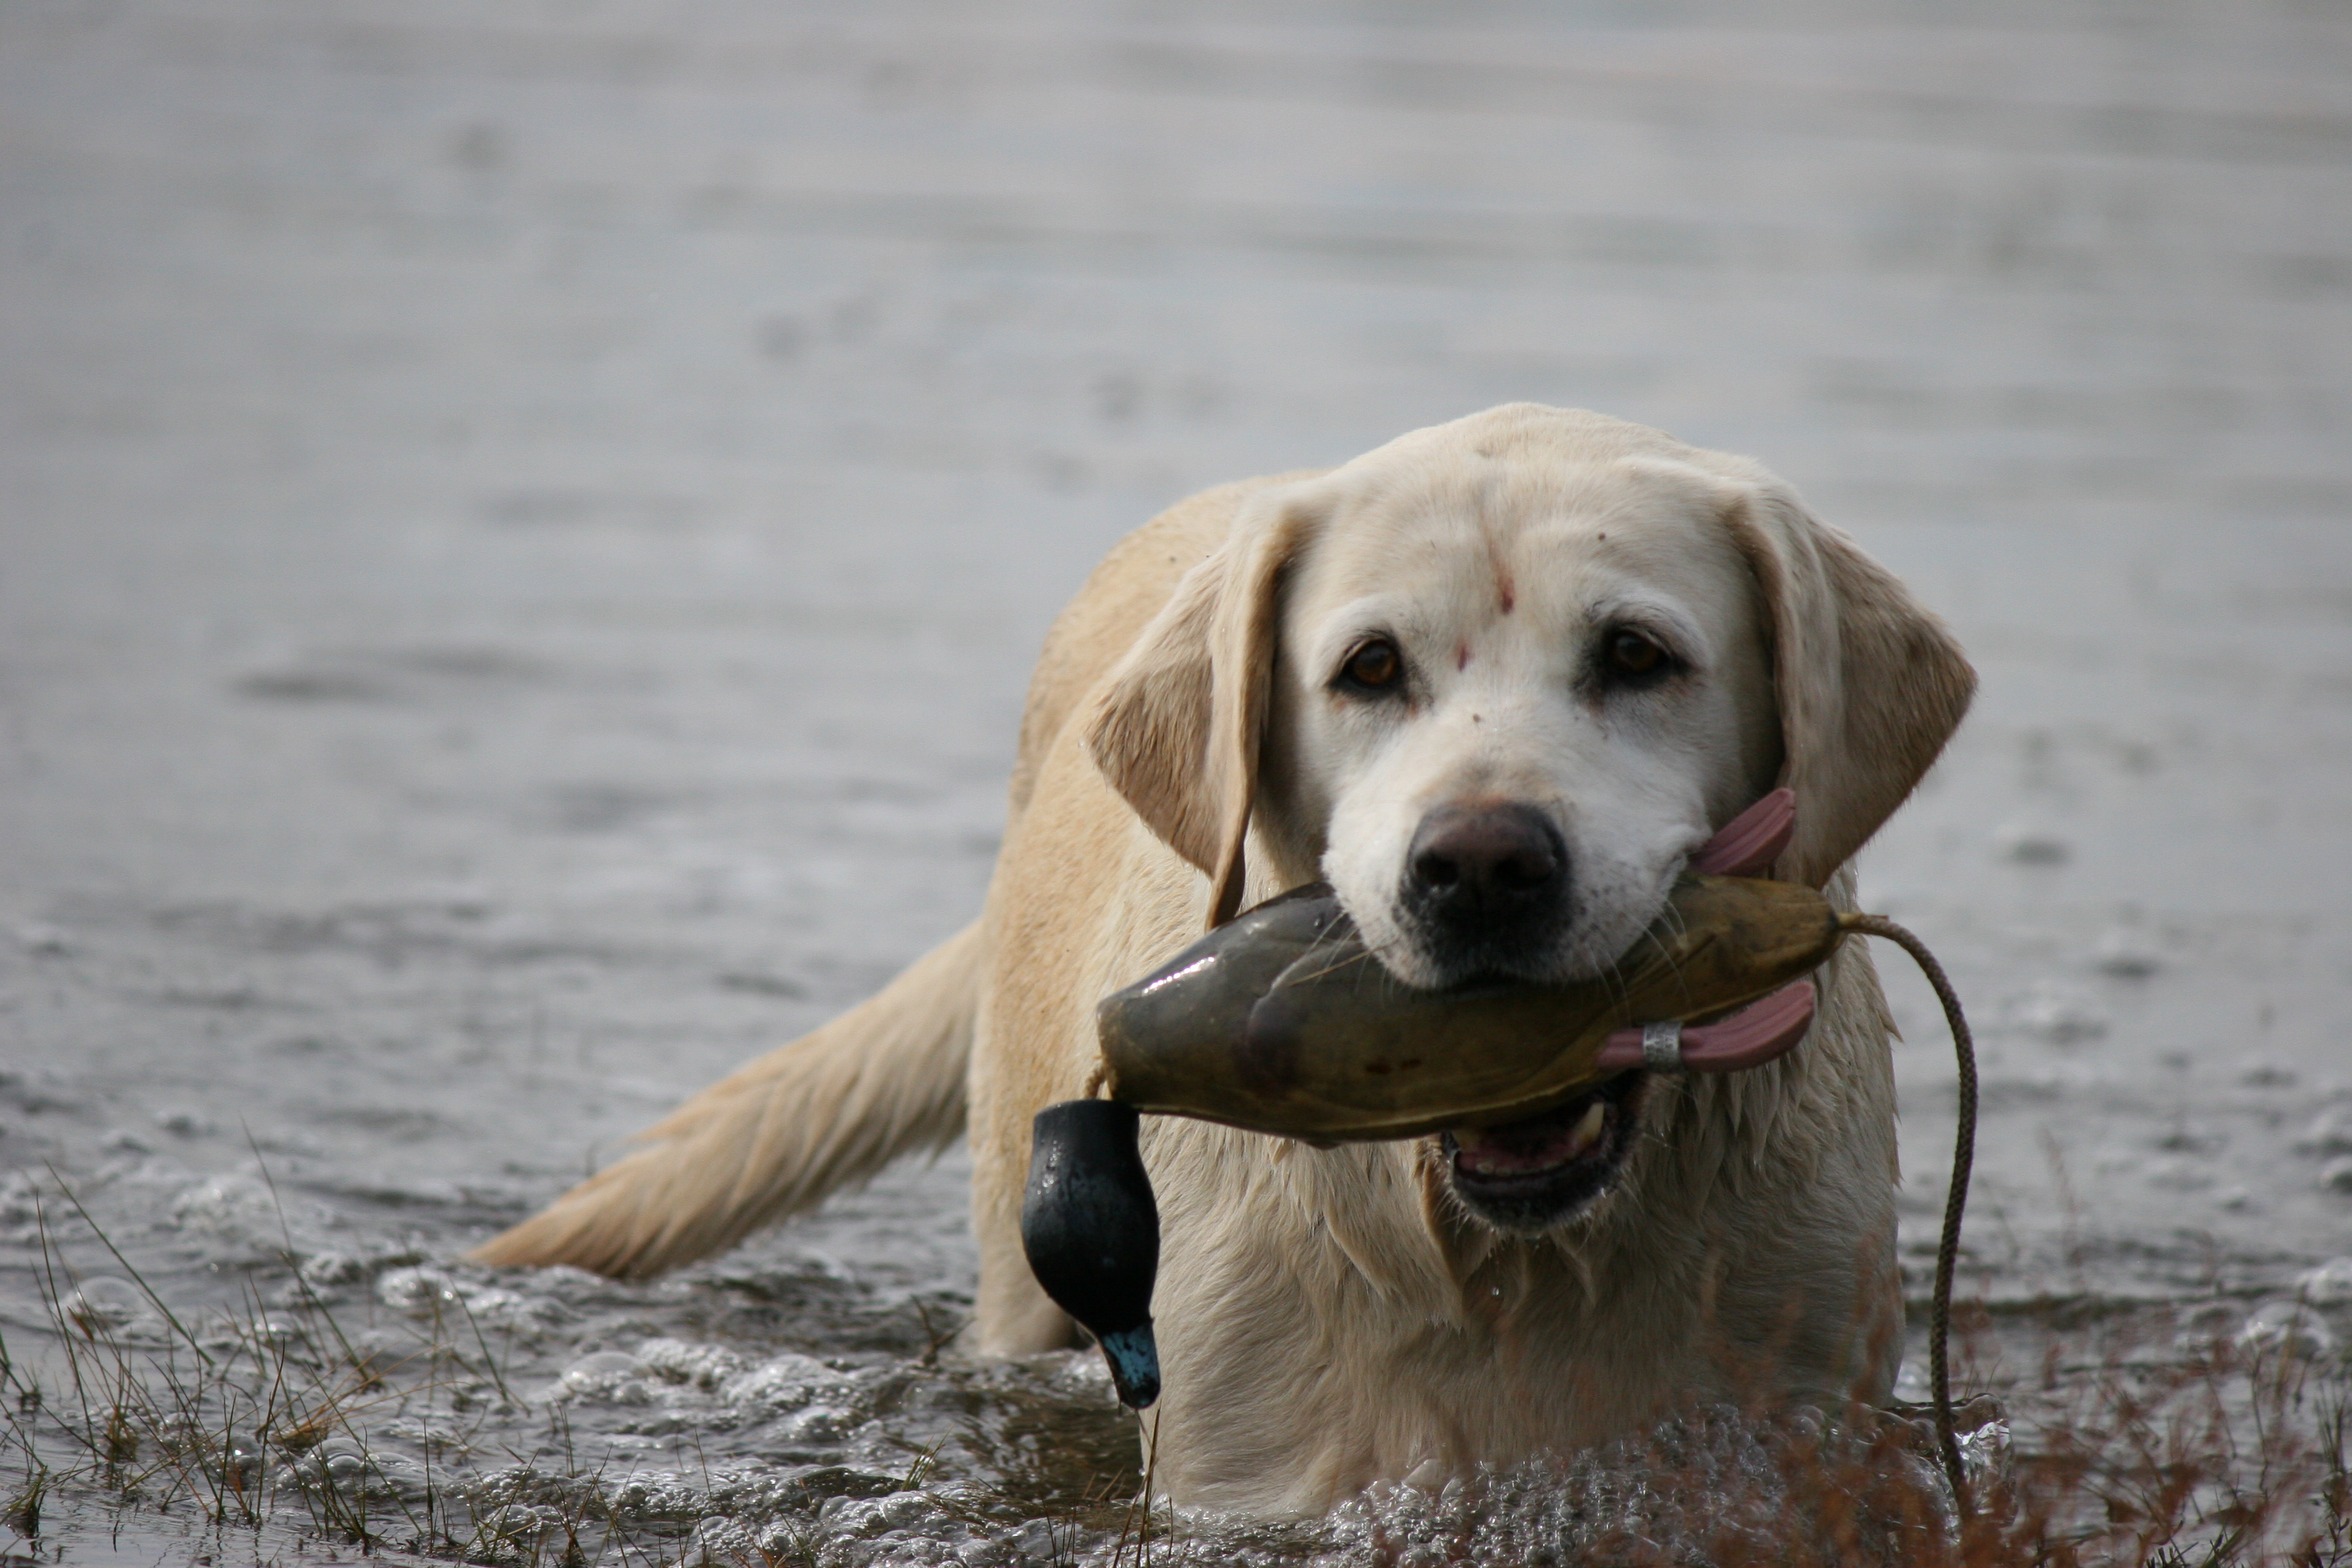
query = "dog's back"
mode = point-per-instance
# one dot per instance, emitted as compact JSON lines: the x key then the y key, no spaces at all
{"x":886,"y":1078}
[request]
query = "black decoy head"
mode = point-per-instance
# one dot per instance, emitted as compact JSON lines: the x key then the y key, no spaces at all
{"x":1091,"y":1230}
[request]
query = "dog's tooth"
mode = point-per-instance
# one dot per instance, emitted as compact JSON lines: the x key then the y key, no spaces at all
{"x":1588,"y":1128}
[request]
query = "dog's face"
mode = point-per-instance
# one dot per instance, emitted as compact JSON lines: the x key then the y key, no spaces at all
{"x":1495,"y":682}
{"x":1507,"y":706}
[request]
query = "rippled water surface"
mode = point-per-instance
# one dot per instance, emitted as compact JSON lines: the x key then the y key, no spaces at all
{"x":522,"y":533}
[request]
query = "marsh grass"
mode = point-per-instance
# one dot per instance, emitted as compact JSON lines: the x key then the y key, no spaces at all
{"x":261,"y":1414}
{"x":2130,"y":1442}
{"x":2169,"y":1449}
{"x":2155,"y":1437}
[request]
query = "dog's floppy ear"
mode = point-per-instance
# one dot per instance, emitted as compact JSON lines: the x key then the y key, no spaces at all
{"x":1870,"y":683}
{"x":1179,"y":727}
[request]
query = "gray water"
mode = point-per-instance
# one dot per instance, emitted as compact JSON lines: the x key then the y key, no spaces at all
{"x":522,"y":533}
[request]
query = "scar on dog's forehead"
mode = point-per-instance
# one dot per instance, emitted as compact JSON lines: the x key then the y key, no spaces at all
{"x":1507,"y":589}
{"x":1512,"y":538}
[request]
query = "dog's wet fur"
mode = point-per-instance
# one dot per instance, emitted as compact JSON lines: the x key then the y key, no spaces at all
{"x":1495,"y":681}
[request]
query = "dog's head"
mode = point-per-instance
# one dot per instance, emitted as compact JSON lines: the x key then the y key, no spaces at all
{"x":1495,"y":681}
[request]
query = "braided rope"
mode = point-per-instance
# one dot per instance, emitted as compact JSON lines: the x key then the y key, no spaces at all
{"x":1955,"y":1198}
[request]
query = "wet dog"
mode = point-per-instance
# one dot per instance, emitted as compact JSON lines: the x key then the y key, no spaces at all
{"x":1495,"y":681}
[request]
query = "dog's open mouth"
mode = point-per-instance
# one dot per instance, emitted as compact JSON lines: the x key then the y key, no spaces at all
{"x":1531,"y":1174}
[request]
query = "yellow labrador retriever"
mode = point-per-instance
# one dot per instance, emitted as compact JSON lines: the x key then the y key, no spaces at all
{"x":1495,"y":681}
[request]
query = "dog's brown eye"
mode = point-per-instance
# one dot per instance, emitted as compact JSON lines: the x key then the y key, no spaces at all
{"x":1375,"y":666}
{"x":1630,"y":653}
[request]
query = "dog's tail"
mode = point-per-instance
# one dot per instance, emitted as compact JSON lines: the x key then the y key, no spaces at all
{"x":832,"y":1108}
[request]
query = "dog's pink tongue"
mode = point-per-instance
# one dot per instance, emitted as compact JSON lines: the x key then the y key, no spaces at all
{"x":1536,"y":1145}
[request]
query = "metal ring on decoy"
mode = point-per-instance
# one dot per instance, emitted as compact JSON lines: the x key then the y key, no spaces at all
{"x":1661,"y":1045}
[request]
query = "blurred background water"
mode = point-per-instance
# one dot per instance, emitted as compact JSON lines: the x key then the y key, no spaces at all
{"x":523,"y":534}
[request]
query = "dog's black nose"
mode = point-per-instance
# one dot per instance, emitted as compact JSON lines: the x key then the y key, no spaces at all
{"x":1485,"y":865}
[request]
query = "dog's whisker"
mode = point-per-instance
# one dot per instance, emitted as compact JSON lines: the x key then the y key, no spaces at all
{"x":1340,"y":962}
{"x":1364,"y":952}
{"x":1665,"y":952}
